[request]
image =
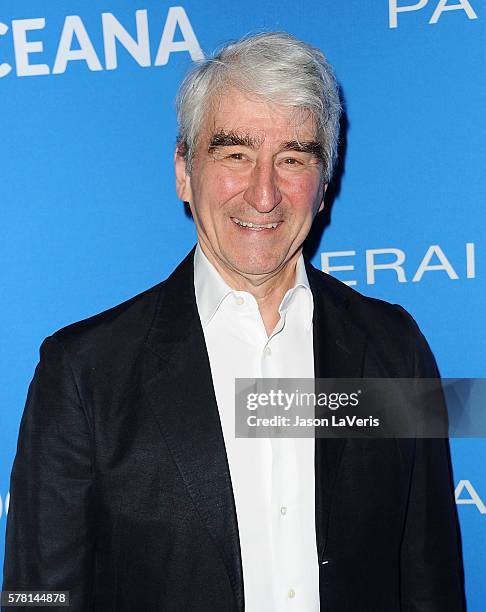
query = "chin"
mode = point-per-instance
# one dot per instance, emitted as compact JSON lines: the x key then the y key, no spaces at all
{"x":252,"y":263}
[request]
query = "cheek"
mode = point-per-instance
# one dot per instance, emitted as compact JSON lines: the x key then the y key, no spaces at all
{"x":219,"y":188}
{"x":229,"y":185}
{"x":303,"y":192}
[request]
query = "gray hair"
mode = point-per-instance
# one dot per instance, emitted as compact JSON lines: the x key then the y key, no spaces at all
{"x":275,"y":66}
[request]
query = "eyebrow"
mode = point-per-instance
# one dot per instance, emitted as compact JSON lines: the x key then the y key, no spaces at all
{"x":305,"y":146}
{"x":232,"y":139}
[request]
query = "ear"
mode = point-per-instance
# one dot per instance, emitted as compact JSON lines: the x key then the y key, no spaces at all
{"x":183,"y":179}
{"x":321,"y":206}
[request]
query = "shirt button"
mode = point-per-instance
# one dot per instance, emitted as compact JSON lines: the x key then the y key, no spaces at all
{"x":291,"y":593}
{"x":239,"y":300}
{"x":283,"y":510}
{"x":267,"y":352}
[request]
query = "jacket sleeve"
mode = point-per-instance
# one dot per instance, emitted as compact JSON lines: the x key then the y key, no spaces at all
{"x":50,"y":539}
{"x":431,"y":564}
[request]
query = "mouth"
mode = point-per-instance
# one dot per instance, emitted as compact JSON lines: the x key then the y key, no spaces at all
{"x":256,"y":227}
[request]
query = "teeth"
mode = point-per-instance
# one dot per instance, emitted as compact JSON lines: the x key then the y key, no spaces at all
{"x":255,"y":225}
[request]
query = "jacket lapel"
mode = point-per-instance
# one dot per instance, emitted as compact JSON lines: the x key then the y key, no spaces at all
{"x":339,"y":349}
{"x":181,"y":394}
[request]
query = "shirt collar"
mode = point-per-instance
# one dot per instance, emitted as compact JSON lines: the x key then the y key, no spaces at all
{"x":301,"y":286}
{"x":211,"y":289}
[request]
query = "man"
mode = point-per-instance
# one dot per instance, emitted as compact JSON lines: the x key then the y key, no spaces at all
{"x":129,"y":487}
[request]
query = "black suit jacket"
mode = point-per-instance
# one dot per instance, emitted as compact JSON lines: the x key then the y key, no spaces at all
{"x":120,"y":489}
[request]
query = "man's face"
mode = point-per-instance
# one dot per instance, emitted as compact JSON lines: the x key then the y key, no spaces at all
{"x":255,"y":186}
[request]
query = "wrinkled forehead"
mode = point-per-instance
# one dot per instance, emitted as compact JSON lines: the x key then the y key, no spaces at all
{"x":255,"y":118}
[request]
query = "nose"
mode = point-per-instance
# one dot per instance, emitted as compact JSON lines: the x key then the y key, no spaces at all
{"x":262,"y":192}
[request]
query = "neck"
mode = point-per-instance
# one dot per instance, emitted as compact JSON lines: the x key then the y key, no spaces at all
{"x":268,"y":289}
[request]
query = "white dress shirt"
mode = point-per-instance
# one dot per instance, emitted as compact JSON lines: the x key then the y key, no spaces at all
{"x":272,"y":478}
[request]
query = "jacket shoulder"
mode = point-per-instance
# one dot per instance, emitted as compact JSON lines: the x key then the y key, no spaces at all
{"x":111,"y":342}
{"x":367,"y":309}
{"x":390,"y":329}
{"x":117,"y":328}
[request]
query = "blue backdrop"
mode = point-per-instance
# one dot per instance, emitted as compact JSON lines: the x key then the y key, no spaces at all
{"x":89,"y":215}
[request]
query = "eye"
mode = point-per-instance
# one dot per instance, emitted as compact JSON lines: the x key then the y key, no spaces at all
{"x":236,"y":156}
{"x":292,"y":161}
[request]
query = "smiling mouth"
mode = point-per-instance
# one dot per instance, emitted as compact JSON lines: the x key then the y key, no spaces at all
{"x":255,"y":226}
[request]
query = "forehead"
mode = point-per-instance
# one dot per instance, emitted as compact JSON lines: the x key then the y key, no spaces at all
{"x":238,"y":111}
